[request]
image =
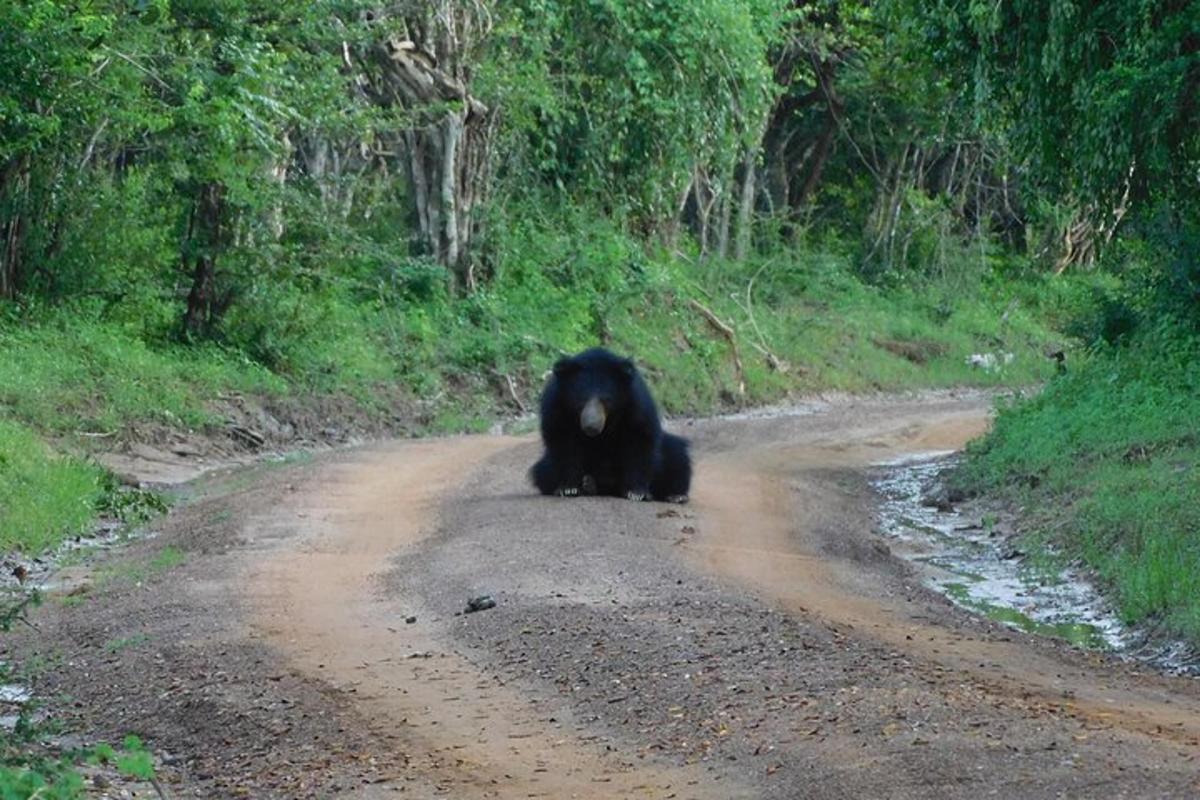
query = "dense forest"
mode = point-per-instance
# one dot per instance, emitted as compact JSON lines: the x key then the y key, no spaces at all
{"x":418,"y":206}
{"x":263,"y":177}
{"x":237,"y":172}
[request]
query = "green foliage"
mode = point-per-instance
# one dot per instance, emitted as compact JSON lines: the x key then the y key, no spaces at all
{"x":1159,"y":267}
{"x":68,"y":86}
{"x":1108,"y":455}
{"x":49,"y":779}
{"x":29,"y":769}
{"x":27,"y":774}
{"x":128,"y":504}
{"x":117,"y":248}
{"x":101,"y":376}
{"x":625,"y":99}
{"x":1116,"y":80}
{"x":132,"y":760}
{"x":12,"y":609}
{"x":575,"y":280}
{"x":230,"y":136}
{"x":47,"y":52}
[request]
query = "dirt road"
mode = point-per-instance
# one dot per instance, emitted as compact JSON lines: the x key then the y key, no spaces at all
{"x":759,"y":642}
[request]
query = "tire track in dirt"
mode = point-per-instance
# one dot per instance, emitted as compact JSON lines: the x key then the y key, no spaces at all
{"x":758,"y":533}
{"x":455,"y":728}
{"x":490,"y":709}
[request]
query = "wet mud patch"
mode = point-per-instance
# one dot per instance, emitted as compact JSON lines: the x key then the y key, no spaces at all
{"x":983,"y":565}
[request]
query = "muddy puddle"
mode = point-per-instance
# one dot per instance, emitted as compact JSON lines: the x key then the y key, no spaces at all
{"x":43,"y":573}
{"x":967,"y":557}
{"x":13,"y":699}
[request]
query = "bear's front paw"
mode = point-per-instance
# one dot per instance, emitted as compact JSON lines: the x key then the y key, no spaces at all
{"x":676,"y":498}
{"x":634,"y":495}
{"x":568,"y":491}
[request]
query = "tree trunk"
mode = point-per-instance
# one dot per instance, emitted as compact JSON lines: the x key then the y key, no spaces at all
{"x":825,"y":71}
{"x":745,"y":218}
{"x":13,"y":231}
{"x":671,"y":235}
{"x":783,"y":155}
{"x":14,"y":191}
{"x":278,"y":176}
{"x":314,"y":155}
{"x":703,"y":204}
{"x":776,"y":168}
{"x":726,"y":213}
{"x":203,"y":245}
{"x":820,"y":156}
{"x":447,"y":151}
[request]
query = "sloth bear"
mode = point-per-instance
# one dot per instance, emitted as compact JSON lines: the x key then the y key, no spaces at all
{"x":602,"y":434}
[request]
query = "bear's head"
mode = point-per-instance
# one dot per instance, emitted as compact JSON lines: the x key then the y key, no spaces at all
{"x":597,"y":386}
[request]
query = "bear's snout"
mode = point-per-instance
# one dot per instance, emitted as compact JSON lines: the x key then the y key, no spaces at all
{"x":592,"y":418}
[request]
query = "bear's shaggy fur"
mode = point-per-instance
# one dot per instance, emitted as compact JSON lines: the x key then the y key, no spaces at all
{"x":602,"y":434}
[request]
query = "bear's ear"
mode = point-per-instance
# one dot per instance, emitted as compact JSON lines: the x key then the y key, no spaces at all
{"x":628,"y":369}
{"x":565,"y":366}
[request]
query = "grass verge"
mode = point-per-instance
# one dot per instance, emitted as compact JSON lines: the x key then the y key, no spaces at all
{"x":71,"y":371}
{"x":44,"y":497}
{"x":1106,"y":462}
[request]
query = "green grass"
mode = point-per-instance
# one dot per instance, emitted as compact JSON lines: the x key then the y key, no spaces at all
{"x":55,"y":779}
{"x":26,"y":775}
{"x":565,"y":290}
{"x":68,"y":373}
{"x":44,"y":497}
{"x":115,"y":646}
{"x":1107,"y":463}
{"x":839,"y":333}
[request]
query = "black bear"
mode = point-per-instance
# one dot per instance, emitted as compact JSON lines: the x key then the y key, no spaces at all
{"x":602,"y":434}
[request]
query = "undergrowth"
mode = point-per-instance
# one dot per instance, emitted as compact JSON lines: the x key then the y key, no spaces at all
{"x":1106,"y":462}
{"x":72,"y":370}
{"x":44,"y":496}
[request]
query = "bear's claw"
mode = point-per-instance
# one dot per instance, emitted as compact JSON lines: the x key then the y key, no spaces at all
{"x":676,"y":498}
{"x":569,"y":491}
{"x":635,"y":495}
